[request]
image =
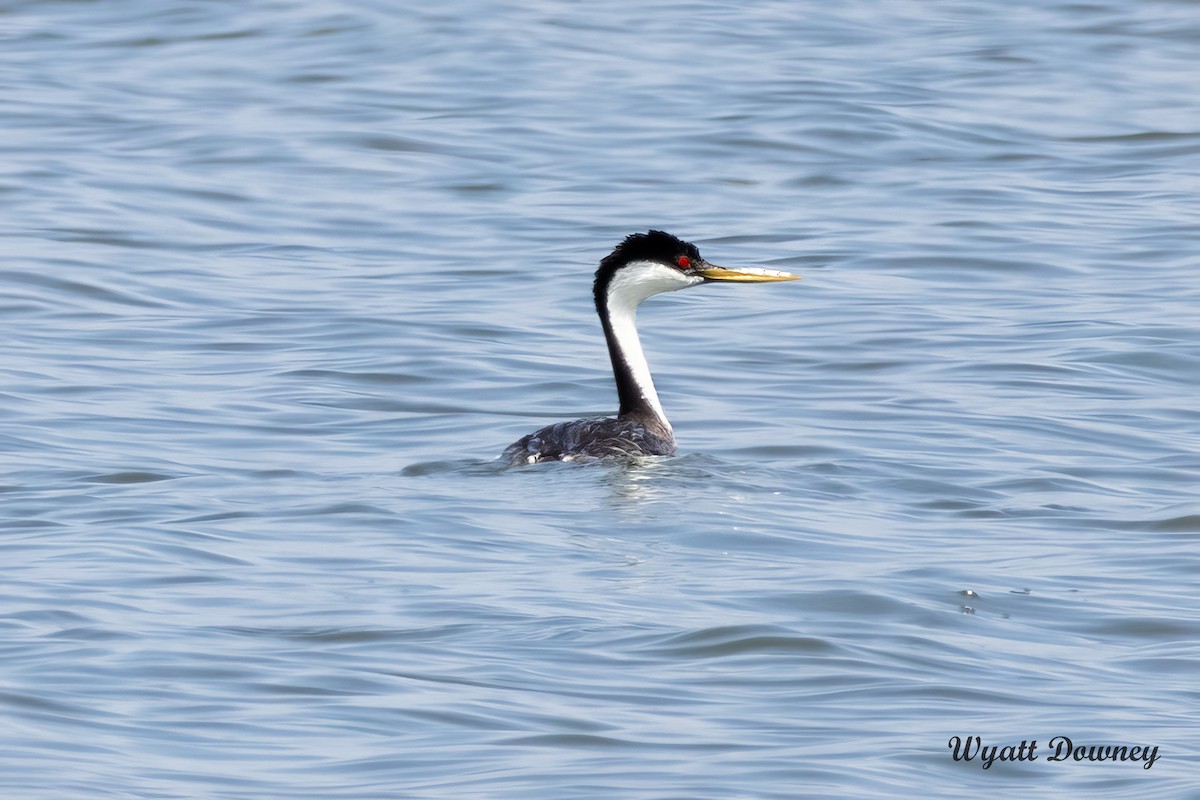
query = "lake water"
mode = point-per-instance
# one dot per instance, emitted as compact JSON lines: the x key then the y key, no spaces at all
{"x":280,"y":280}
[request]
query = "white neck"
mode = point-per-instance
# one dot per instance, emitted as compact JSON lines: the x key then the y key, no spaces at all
{"x":628,"y":288}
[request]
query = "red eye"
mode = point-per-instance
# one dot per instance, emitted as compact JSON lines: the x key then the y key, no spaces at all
{"x":684,"y":261}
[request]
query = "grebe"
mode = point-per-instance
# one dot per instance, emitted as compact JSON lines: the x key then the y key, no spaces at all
{"x":643,"y":265}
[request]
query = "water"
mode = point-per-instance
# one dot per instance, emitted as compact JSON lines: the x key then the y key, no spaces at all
{"x":281,"y":279}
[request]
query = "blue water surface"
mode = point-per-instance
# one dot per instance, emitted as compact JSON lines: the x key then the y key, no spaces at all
{"x":280,"y":280}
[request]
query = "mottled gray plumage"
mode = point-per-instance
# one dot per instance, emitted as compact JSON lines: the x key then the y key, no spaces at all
{"x":609,"y":437}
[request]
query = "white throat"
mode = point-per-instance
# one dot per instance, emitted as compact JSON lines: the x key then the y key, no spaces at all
{"x":628,"y":288}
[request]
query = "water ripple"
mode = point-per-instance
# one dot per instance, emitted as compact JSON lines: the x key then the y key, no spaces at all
{"x":282,"y":280}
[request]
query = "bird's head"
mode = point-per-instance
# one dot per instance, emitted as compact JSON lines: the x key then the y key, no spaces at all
{"x":646,"y":264}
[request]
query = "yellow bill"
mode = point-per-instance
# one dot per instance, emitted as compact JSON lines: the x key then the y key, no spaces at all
{"x":744,"y":274}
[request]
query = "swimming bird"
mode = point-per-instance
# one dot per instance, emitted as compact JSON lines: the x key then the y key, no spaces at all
{"x":643,"y":265}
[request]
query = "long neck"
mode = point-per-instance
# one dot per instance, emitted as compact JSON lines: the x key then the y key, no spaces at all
{"x":635,"y":387}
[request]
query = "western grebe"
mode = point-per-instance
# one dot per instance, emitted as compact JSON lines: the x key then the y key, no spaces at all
{"x":643,"y":265}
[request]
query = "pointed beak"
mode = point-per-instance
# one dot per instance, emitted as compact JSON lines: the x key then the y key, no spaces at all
{"x":711,"y":272}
